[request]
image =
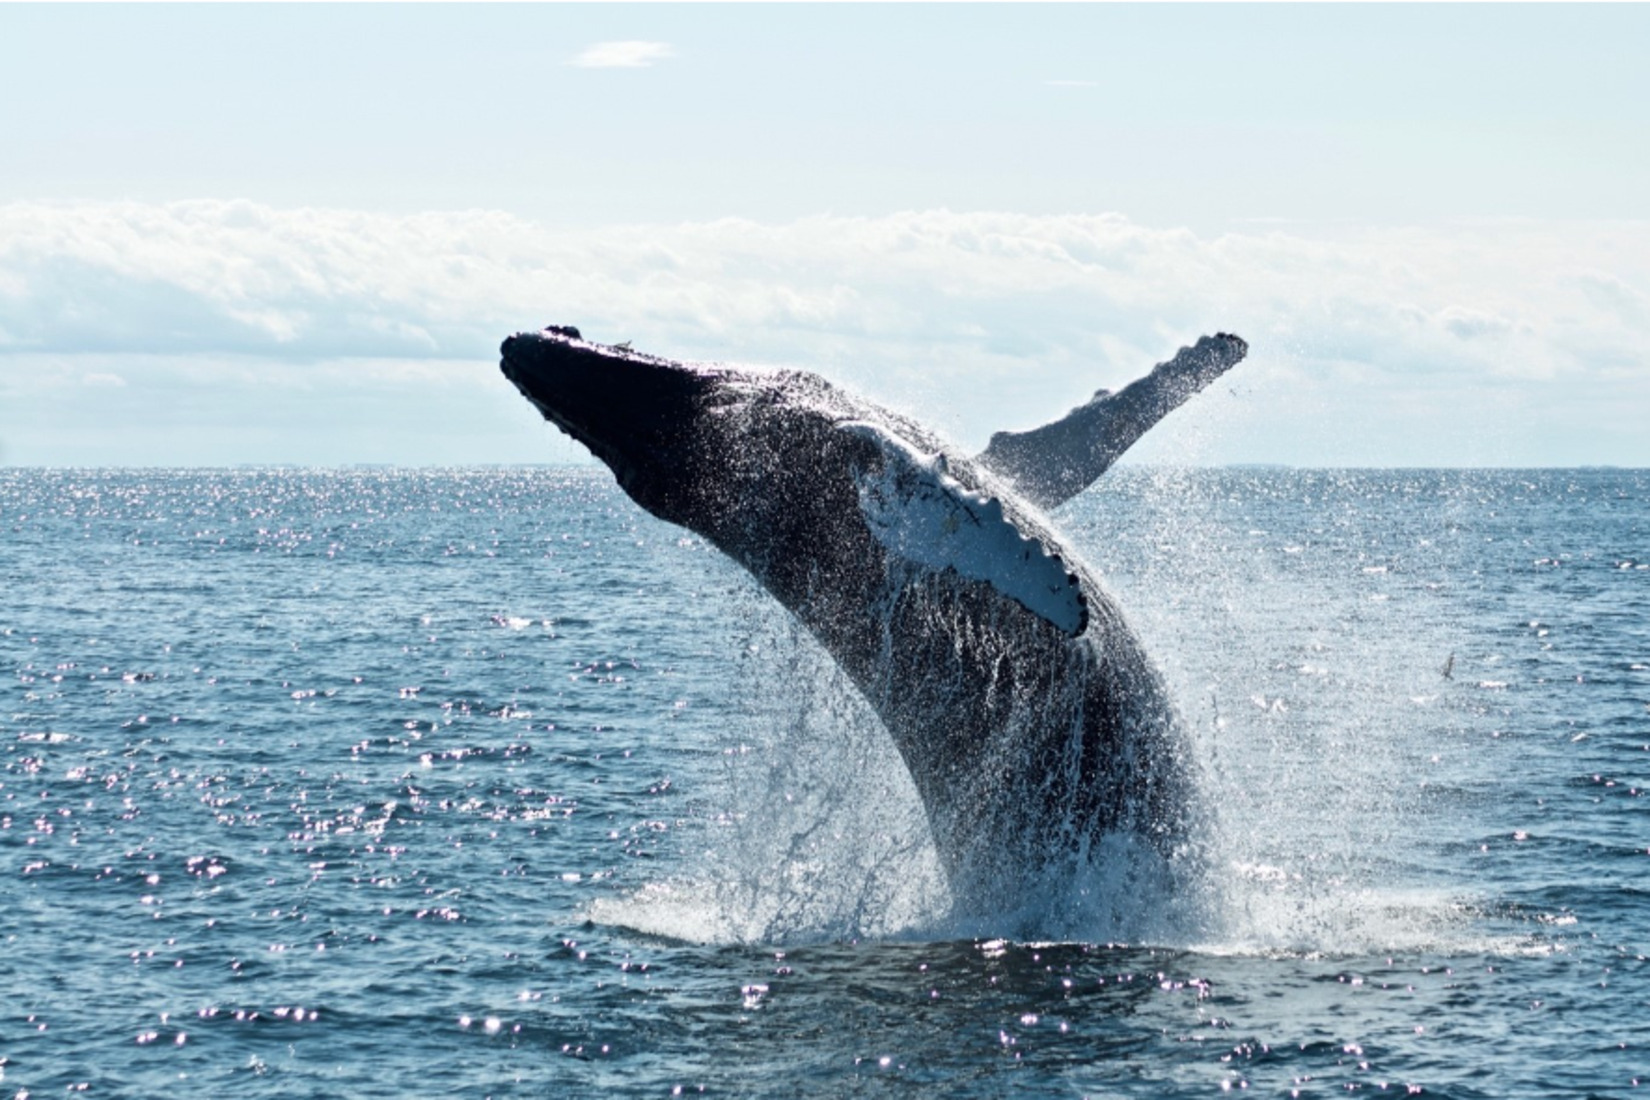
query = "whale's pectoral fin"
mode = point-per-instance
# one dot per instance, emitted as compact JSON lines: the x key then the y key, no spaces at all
{"x":922,"y":515}
{"x":1051,"y":464}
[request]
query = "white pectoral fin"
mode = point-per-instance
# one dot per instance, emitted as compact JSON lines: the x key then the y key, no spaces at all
{"x":917,"y":511}
{"x":1051,"y":464}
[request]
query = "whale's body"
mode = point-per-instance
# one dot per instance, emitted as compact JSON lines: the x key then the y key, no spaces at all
{"x":1024,"y":706}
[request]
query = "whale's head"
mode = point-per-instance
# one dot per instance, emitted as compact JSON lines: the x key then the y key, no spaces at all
{"x":637,"y":413}
{"x":789,"y":475}
{"x":676,"y":435}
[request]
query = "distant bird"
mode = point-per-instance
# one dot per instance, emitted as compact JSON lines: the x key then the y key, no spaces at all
{"x":1449,"y":668}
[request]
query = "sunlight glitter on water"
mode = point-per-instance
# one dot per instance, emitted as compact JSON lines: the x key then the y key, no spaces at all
{"x":215,"y":804}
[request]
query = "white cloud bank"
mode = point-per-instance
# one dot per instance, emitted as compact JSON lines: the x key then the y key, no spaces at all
{"x":993,"y":319}
{"x":623,"y":55}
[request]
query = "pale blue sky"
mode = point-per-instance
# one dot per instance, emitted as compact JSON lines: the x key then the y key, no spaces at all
{"x":1429,"y":221}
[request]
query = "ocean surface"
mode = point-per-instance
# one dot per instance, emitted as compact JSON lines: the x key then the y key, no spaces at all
{"x":382,"y":783}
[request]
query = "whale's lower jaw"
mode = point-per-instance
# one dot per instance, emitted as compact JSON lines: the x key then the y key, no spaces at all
{"x":1031,"y":721}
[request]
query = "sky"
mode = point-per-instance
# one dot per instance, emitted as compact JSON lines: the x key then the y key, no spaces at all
{"x":296,"y":234}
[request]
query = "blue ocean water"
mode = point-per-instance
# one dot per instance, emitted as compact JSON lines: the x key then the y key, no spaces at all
{"x":483,"y":782}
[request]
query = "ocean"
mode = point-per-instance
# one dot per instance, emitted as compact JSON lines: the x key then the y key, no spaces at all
{"x":388,"y":783}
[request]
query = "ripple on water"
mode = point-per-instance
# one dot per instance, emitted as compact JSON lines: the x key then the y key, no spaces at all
{"x":302,"y":770}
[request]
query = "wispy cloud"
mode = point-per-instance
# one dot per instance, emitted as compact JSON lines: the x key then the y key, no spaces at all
{"x":1503,"y":298}
{"x":1023,"y":315}
{"x":623,"y":55}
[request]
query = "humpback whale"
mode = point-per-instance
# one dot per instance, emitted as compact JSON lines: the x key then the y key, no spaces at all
{"x":1025,"y":708}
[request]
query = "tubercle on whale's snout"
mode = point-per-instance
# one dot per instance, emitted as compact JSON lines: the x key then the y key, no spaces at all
{"x":514,"y":341}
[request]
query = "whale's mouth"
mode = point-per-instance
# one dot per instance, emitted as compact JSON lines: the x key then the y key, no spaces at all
{"x":564,"y":378}
{"x":633,"y":411}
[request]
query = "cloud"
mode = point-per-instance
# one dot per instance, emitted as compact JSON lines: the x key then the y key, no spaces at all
{"x":623,"y":55}
{"x":993,"y":319}
{"x":1501,"y":300}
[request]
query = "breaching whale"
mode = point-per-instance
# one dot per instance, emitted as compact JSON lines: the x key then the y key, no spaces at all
{"x":1030,"y":719}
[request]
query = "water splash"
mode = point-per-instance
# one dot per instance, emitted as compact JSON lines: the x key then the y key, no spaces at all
{"x":816,"y":834}
{"x":1327,"y":757}
{"x":1327,"y":753}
